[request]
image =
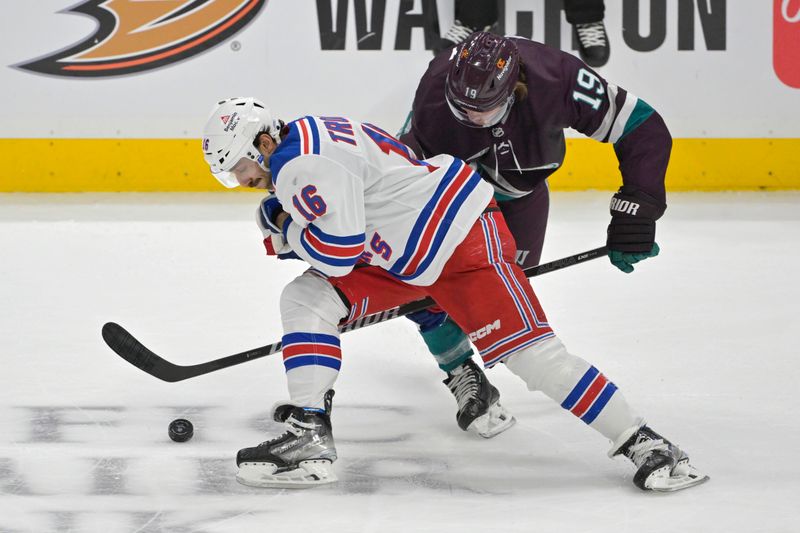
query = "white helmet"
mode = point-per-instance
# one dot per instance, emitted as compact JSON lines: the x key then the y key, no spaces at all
{"x":229,"y":134}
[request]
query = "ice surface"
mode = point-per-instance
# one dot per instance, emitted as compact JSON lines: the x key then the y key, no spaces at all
{"x":702,"y":340}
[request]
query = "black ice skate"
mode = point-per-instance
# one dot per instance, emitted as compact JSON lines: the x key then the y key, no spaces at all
{"x":479,"y":408}
{"x":592,"y":43}
{"x":662,"y":466}
{"x":301,"y":457}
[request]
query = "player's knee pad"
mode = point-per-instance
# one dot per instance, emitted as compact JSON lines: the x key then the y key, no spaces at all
{"x":548,"y":366}
{"x":310,"y":303}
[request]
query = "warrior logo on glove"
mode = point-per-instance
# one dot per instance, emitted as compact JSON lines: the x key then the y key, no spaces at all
{"x":624,"y":206}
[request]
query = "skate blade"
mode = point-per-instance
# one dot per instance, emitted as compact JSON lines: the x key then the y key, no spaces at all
{"x":309,"y":474}
{"x":495,"y":421}
{"x":683,"y":477}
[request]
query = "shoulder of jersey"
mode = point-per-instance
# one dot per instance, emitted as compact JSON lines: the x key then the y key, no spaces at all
{"x":438,"y":66}
{"x":544,"y":65}
{"x":524,"y":42}
{"x":302,"y":139}
{"x":535,"y":54}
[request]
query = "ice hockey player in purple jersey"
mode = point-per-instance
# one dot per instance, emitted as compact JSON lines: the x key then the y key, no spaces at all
{"x":502,"y":105}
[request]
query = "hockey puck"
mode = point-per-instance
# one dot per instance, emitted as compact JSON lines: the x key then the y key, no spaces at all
{"x":180,"y":430}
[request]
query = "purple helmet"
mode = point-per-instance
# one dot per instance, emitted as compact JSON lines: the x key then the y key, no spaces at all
{"x":482,"y":75}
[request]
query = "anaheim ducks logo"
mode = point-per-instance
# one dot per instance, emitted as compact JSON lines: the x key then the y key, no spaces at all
{"x":139,"y":35}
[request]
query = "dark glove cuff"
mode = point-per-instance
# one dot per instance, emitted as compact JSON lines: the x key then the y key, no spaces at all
{"x":635,"y":205}
{"x":633,"y":222}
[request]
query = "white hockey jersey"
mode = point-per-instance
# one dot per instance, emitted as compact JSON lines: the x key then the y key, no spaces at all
{"x":356,"y":194}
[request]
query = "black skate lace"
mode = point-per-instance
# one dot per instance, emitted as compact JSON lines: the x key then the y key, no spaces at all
{"x":458,"y":32}
{"x":464,"y":386}
{"x":640,"y":451}
{"x":591,"y":34}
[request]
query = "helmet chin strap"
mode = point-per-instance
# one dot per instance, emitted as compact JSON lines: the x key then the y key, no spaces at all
{"x":262,"y":162}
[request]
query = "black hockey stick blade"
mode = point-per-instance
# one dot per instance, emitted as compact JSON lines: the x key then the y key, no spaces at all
{"x":129,"y":348}
{"x":137,"y":354}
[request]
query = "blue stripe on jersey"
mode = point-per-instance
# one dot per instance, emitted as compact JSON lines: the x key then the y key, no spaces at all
{"x":444,"y":227}
{"x":289,"y":148}
{"x":580,"y":388}
{"x":315,"y":360}
{"x":599,"y":403}
{"x":326,"y":259}
{"x":419,"y":225}
{"x":335,"y":239}
{"x":312,"y":123}
{"x":294,"y":338}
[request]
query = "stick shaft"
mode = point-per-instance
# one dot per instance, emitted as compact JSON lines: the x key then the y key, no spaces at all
{"x":137,"y":354}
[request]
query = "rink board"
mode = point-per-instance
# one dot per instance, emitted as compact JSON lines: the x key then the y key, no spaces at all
{"x":111,"y":165}
{"x":724,"y":75}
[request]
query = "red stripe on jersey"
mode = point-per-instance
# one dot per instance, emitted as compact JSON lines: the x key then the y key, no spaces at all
{"x":343,"y":252}
{"x":312,"y":349}
{"x":436,"y":218}
{"x":589,"y":397}
{"x":304,"y":135}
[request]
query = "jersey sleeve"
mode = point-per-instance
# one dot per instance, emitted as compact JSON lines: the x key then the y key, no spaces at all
{"x":608,"y":113}
{"x":325,"y":202}
{"x":409,"y":138}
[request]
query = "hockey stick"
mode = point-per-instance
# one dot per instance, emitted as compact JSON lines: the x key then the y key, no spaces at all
{"x":137,"y":354}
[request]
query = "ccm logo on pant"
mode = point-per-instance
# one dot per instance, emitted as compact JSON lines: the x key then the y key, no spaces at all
{"x":485,"y":330}
{"x":624,"y":206}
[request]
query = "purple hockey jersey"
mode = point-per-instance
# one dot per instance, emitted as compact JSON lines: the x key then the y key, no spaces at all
{"x":528,"y":145}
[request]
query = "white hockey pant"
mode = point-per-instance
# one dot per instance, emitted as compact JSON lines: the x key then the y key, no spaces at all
{"x":576,"y":385}
{"x":310,"y":311}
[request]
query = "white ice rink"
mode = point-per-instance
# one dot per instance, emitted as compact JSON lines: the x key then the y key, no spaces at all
{"x":702,"y":340}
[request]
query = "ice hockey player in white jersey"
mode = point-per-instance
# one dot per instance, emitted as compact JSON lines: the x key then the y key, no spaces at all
{"x":379,"y":229}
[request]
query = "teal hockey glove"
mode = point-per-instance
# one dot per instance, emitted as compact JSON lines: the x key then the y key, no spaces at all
{"x":625,"y":261}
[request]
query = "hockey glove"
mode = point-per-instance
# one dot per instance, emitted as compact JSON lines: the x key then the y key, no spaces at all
{"x":270,"y":209}
{"x":274,"y":242}
{"x":276,"y":246}
{"x":632,"y":231}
